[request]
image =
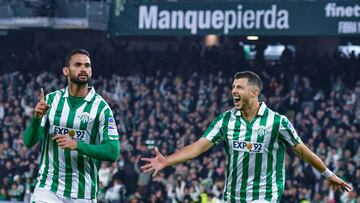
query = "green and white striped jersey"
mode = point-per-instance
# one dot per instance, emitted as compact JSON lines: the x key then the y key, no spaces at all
{"x":68,"y":172}
{"x":255,"y":153}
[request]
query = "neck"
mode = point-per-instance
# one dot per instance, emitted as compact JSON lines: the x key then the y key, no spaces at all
{"x":251,"y":111}
{"x":78,"y":90}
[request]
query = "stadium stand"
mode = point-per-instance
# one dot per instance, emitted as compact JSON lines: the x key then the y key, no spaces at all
{"x":167,"y":98}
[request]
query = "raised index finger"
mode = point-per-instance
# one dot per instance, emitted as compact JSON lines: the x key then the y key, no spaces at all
{"x":42,"y":94}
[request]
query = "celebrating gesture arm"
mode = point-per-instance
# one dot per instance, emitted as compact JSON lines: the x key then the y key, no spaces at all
{"x":41,"y":107}
{"x":35,"y":131}
{"x":189,"y":152}
{"x":307,"y":155}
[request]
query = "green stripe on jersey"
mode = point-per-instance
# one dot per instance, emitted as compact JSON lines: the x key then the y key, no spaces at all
{"x":226,"y":119}
{"x":67,"y":153}
{"x":258,"y":158}
{"x":92,"y":164}
{"x":80,"y":158}
{"x":279,"y":167}
{"x":55,"y":178}
{"x":245,"y":162}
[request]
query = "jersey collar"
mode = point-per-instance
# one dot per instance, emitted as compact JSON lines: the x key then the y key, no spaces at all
{"x":88,"y":97}
{"x":260,"y":112}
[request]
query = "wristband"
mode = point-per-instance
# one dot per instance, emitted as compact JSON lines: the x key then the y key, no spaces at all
{"x":327,"y":173}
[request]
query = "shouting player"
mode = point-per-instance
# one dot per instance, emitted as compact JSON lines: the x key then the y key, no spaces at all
{"x":254,"y":137}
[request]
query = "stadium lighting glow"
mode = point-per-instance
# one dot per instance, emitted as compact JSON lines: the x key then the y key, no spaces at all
{"x":252,"y":38}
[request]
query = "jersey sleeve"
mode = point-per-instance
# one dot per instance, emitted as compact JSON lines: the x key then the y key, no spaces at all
{"x":287,"y":132}
{"x":107,"y":126}
{"x":214,"y":132}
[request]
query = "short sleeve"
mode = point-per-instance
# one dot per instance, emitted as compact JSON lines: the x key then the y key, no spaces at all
{"x":107,"y":126}
{"x":287,"y":132}
{"x":214,"y":132}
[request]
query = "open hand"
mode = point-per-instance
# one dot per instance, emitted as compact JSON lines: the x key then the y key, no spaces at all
{"x":157,"y":163}
{"x":338,"y":184}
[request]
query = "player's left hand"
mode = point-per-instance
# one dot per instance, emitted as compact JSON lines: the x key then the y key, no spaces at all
{"x":65,"y":142}
{"x":338,"y":184}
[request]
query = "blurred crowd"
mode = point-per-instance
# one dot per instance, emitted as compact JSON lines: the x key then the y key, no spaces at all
{"x":167,"y":98}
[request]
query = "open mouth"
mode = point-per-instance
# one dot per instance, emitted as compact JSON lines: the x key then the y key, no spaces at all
{"x":236,"y":99}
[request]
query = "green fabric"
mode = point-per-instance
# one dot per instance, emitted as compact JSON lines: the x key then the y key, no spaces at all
{"x":107,"y":151}
{"x":33,"y":133}
{"x":76,"y":101}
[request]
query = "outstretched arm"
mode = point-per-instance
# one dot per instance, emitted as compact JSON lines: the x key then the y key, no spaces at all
{"x":187,"y":153}
{"x":307,"y":155}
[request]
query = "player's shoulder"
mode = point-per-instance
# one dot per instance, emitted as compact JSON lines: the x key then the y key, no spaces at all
{"x":227,"y":113}
{"x":54,"y":93}
{"x":282,"y":117}
{"x":273,"y":113}
{"x":102,"y":102}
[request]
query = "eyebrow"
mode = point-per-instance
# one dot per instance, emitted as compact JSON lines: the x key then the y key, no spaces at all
{"x":237,"y":85}
{"x":79,"y":63}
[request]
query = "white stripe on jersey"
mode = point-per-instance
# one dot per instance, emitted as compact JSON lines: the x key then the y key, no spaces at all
{"x":230,"y":136}
{"x":49,"y":153}
{"x":252,"y":159}
{"x":239,"y":162}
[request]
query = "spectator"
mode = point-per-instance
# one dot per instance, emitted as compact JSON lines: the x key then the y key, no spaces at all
{"x":150,"y":109}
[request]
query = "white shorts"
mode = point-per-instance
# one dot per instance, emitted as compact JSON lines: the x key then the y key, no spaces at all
{"x":41,"y":195}
{"x":259,"y":201}
{"x":255,"y":201}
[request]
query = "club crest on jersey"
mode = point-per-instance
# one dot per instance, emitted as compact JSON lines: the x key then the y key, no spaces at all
{"x":252,"y":147}
{"x":261,"y":131}
{"x":85,"y":117}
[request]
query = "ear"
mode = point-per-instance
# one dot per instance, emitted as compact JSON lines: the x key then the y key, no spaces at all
{"x":66,"y":71}
{"x":256,"y":93}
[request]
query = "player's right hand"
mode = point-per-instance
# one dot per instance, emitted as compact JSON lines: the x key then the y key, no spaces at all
{"x":154,"y":164}
{"x":41,"y":107}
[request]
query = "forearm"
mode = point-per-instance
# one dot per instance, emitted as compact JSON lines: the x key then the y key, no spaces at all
{"x":107,"y":151}
{"x":33,"y":132}
{"x":307,"y":155}
{"x":189,"y":152}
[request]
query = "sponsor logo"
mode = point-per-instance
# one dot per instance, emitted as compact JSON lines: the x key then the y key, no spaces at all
{"x":75,"y":134}
{"x":252,"y":147}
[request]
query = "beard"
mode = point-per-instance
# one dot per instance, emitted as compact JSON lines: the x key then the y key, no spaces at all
{"x":245,"y":103}
{"x":77,"y":80}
